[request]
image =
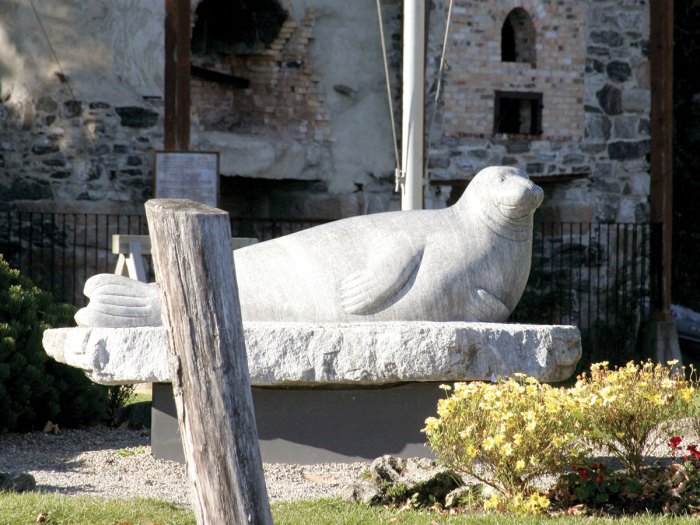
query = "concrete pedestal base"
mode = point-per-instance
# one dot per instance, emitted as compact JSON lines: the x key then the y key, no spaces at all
{"x":308,"y":426}
{"x":332,"y":392}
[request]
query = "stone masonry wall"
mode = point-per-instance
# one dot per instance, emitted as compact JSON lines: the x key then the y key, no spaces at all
{"x":78,"y":151}
{"x":282,"y":97}
{"x":80,"y":103}
{"x":607,"y":142}
{"x":317,"y":110}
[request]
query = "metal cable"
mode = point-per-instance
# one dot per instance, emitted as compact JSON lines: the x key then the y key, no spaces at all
{"x":397,"y":157}
{"x":438,"y":88}
{"x":53,"y":51}
{"x":64,"y":77}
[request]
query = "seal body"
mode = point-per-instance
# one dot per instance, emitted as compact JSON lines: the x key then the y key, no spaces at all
{"x":468,"y":262}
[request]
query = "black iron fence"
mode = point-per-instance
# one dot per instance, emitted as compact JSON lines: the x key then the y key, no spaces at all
{"x":265,"y":229}
{"x":591,"y":275}
{"x":60,"y":251}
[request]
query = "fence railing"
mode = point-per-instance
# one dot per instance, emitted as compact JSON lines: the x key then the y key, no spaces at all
{"x":587,"y":274}
{"x":592,"y":275}
{"x":60,"y":251}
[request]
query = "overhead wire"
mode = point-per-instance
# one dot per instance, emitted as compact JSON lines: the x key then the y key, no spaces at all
{"x":399,"y":176}
{"x":398,"y":172}
{"x":438,"y":87}
{"x":53,"y":50}
{"x":65,"y":79}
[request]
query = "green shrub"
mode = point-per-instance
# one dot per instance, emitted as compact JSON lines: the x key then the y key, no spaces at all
{"x":33,"y":387}
{"x":506,"y":434}
{"x":629,"y":410}
{"x":593,"y":486}
{"x":117,"y":397}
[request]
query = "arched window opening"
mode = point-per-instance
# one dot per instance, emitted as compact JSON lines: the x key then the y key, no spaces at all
{"x":508,"y":42}
{"x":236,"y":26}
{"x":518,"y":37}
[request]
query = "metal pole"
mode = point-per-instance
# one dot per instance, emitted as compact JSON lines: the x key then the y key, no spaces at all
{"x":413,"y":104}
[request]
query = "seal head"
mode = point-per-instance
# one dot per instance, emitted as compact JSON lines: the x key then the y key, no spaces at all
{"x":504,"y":199}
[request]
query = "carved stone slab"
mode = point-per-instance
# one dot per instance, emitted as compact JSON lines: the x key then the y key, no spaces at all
{"x":303,"y":354}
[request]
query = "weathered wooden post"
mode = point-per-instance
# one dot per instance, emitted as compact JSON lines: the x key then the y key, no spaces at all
{"x":192,"y":256}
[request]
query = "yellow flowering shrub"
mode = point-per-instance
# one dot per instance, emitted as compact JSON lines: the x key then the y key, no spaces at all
{"x":507,"y":434}
{"x":518,"y":504}
{"x":629,"y":410}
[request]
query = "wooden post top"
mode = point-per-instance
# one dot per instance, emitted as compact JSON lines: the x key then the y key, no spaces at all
{"x":185,"y":206}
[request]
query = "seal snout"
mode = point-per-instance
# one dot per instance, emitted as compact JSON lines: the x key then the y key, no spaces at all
{"x":519,"y":197}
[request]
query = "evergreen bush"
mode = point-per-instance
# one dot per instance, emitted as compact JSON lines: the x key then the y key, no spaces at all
{"x":33,"y":387}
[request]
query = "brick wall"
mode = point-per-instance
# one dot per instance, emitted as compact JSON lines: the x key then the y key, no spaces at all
{"x":477,"y":70}
{"x":592,"y":67}
{"x":282,"y":98}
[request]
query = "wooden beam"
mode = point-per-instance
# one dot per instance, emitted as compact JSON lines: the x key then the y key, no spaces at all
{"x":193,"y":261}
{"x":661,"y":55}
{"x":177,"y":75}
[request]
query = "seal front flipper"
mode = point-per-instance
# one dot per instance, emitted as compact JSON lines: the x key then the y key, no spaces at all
{"x":119,"y":302}
{"x":484,"y":306}
{"x":388,"y":270}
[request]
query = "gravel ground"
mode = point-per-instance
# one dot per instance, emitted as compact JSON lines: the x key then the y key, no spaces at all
{"x":117,"y":463}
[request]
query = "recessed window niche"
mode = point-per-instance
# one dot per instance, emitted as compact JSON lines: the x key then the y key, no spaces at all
{"x":518,"y":37}
{"x":518,"y":113}
{"x":226,"y":26}
{"x":499,"y":87}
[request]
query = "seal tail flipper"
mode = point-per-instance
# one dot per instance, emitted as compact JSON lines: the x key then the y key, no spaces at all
{"x":483,"y":306}
{"x":387,"y":272}
{"x":119,"y":302}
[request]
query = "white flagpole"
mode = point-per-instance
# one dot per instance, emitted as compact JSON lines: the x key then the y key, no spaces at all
{"x":413,"y":104}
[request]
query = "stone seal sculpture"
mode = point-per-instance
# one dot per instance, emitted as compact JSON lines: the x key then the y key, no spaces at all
{"x":468,"y":262}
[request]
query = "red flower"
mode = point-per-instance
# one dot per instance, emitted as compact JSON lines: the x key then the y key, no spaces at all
{"x":583,"y":472}
{"x":674,"y":442}
{"x":694,"y":451}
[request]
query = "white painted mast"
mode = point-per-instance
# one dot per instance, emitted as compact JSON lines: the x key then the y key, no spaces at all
{"x":413,"y":105}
